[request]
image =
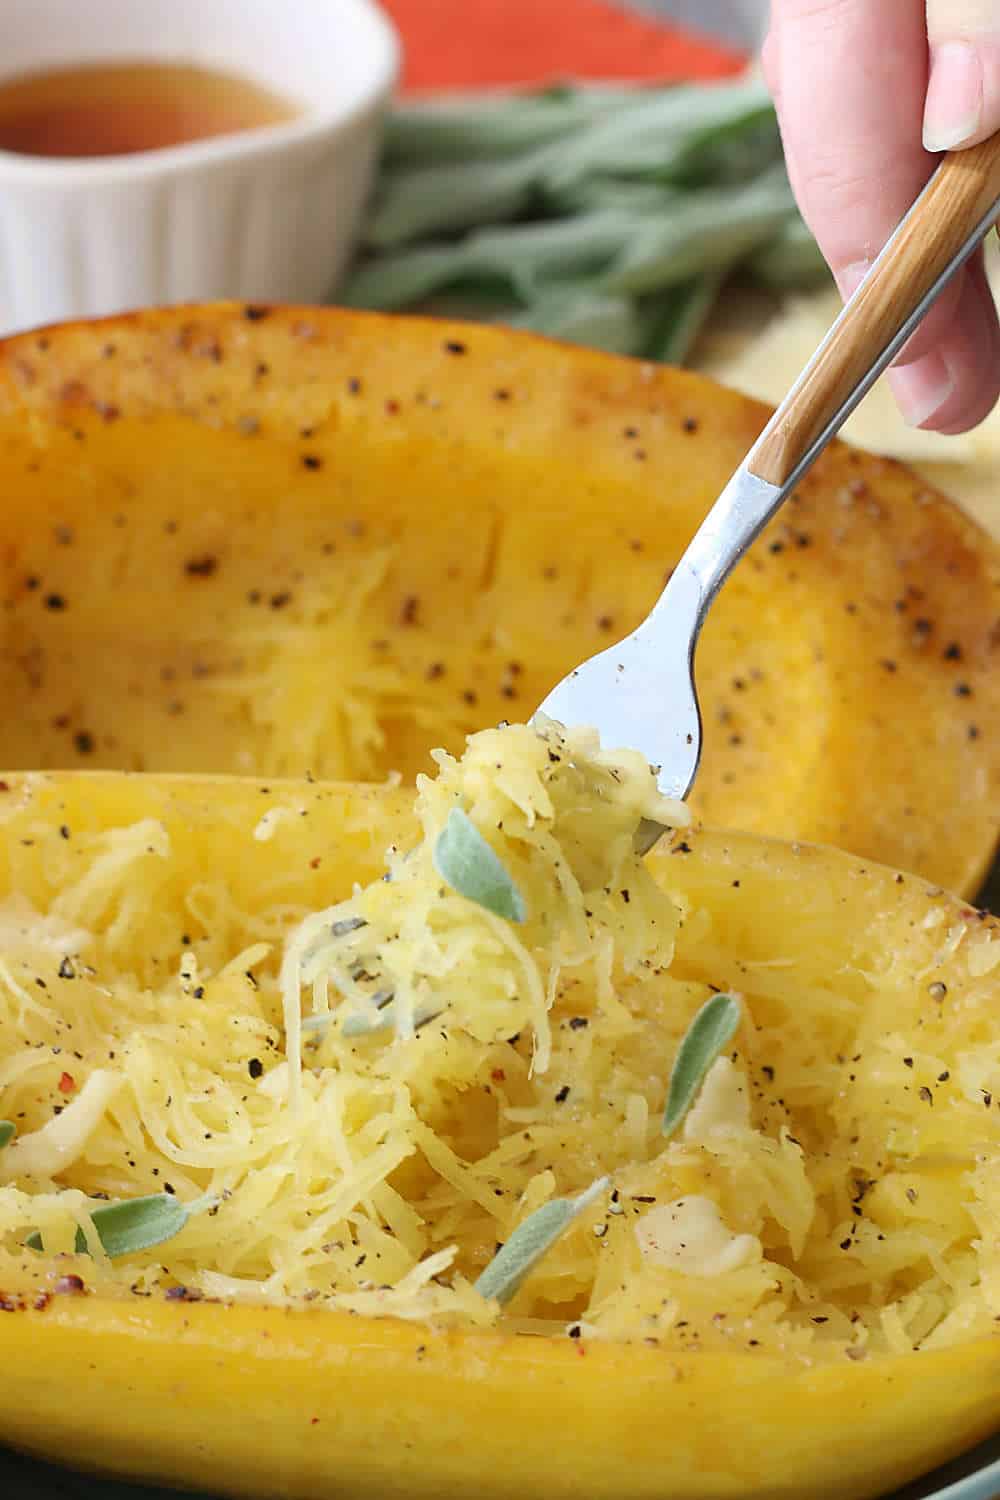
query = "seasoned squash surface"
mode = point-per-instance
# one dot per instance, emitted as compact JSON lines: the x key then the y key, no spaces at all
{"x":274,"y":542}
{"x":794,"y":1292}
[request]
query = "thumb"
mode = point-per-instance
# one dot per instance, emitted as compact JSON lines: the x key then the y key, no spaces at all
{"x":963,"y":90}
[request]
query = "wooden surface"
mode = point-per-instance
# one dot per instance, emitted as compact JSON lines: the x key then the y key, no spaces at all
{"x":961,"y":191}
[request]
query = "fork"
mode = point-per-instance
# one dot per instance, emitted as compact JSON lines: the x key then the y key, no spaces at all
{"x":641,"y":693}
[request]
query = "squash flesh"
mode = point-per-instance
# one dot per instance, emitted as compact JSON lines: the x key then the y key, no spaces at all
{"x":405,"y":1407}
{"x":325,"y":542}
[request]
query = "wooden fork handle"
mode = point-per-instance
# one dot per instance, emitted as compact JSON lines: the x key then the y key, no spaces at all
{"x":964,"y":187}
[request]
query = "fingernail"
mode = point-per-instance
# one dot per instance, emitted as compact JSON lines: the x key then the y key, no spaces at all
{"x":921,"y":389}
{"x":953,"y":110}
{"x":849,"y":278}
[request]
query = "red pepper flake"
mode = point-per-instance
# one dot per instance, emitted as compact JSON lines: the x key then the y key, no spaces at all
{"x":315,"y":863}
{"x":391,"y":408}
{"x":42,"y":1301}
{"x":4,"y":786}
{"x":70,"y":1286}
{"x":67,"y":1083}
{"x":313,"y":1421}
{"x":10,"y":1303}
{"x":498,"y":1075}
{"x":409,"y":610}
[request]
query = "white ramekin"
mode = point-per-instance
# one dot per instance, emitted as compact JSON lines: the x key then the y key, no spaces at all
{"x":270,"y":214}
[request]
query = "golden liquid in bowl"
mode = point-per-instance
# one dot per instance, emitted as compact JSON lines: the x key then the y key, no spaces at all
{"x":119,"y":109}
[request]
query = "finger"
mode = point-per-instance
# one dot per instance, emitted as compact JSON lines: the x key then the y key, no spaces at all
{"x":969,"y":370}
{"x":770,"y":68}
{"x":963,"y":93}
{"x":851,"y":79}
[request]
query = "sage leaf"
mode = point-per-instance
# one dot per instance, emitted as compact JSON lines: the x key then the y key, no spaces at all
{"x":711,"y":1030}
{"x":134,"y":1225}
{"x":529,"y":1242}
{"x":7,"y":1133}
{"x":576,"y":312}
{"x":792,"y":260}
{"x":679,"y":317}
{"x":381,"y":1020}
{"x":485,"y":126}
{"x":712,"y":229}
{"x":465,"y":861}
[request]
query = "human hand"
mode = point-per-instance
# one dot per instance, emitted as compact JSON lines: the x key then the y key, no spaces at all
{"x":866,"y":91}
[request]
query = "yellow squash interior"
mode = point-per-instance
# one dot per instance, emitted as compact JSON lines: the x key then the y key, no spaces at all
{"x":287,"y":541}
{"x":258,"y":1401}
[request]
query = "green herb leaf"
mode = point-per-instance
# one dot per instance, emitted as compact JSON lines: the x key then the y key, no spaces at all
{"x":445,"y":198}
{"x":381,"y":1020}
{"x":678,"y":318}
{"x":580,"y":314}
{"x":530,"y":1241}
{"x":134,"y":1225}
{"x":712,"y":1028}
{"x":7,"y":1133}
{"x":665,"y":133}
{"x":494,"y":125}
{"x":465,"y":861}
{"x":709,"y":230}
{"x":793,"y":259}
